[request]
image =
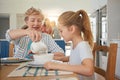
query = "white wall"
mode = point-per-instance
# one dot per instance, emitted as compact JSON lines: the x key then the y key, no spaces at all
{"x":48,"y":6}
{"x":113,"y":13}
{"x":13,"y":20}
{"x":13,"y":6}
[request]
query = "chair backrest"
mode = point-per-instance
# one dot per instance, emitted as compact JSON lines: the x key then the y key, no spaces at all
{"x":4,"y":48}
{"x":61,"y":43}
{"x":109,"y":73}
{"x":11,"y":49}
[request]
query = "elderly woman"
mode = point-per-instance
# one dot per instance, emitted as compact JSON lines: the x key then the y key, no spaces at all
{"x":32,"y":33}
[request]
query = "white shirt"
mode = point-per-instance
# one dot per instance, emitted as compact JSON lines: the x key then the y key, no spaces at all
{"x":78,"y":54}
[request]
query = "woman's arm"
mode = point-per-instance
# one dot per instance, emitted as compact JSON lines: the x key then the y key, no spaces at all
{"x":18,"y":33}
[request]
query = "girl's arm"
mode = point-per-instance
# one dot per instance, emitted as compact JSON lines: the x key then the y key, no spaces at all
{"x":61,"y":57}
{"x":86,"y":68}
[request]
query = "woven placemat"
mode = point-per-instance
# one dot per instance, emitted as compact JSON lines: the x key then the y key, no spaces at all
{"x":35,"y":71}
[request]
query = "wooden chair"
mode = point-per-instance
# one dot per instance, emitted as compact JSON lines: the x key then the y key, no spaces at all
{"x":109,"y":73}
{"x":11,"y":49}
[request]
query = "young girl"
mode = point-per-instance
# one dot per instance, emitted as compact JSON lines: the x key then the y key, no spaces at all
{"x":75,"y":27}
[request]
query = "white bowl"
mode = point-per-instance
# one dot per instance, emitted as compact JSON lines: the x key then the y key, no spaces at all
{"x":43,"y":58}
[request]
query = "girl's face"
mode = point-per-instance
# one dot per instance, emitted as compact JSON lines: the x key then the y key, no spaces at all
{"x":65,"y":33}
{"x":34,"y":22}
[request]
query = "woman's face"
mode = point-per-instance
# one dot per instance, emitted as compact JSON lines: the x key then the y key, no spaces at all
{"x":34,"y":22}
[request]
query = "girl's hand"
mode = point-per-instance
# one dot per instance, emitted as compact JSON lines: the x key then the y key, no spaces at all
{"x":33,"y":34}
{"x":50,"y":65}
{"x":58,"y":56}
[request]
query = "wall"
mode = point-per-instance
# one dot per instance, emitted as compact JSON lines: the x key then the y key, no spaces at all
{"x":113,"y":13}
{"x":14,"y":7}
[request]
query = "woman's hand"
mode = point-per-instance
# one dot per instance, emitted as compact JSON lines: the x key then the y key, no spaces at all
{"x":33,"y":34}
{"x":30,"y":52}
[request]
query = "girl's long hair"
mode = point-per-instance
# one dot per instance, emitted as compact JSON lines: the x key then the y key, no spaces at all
{"x":81,"y":20}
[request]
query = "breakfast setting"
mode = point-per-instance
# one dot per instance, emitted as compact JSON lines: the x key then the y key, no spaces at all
{"x":35,"y":66}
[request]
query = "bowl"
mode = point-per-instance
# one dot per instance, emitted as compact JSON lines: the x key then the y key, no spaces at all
{"x":43,"y":58}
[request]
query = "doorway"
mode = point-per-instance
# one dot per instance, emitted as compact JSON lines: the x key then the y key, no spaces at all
{"x":4,"y":24}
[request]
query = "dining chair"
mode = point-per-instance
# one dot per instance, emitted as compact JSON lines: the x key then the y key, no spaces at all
{"x":109,"y":73}
{"x":4,"y":48}
{"x":60,"y":43}
{"x":11,"y":49}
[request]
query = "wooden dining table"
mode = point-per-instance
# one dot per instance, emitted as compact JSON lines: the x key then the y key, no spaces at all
{"x":5,"y":70}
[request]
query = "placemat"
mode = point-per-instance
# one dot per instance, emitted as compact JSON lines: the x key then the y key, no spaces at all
{"x":35,"y":71}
